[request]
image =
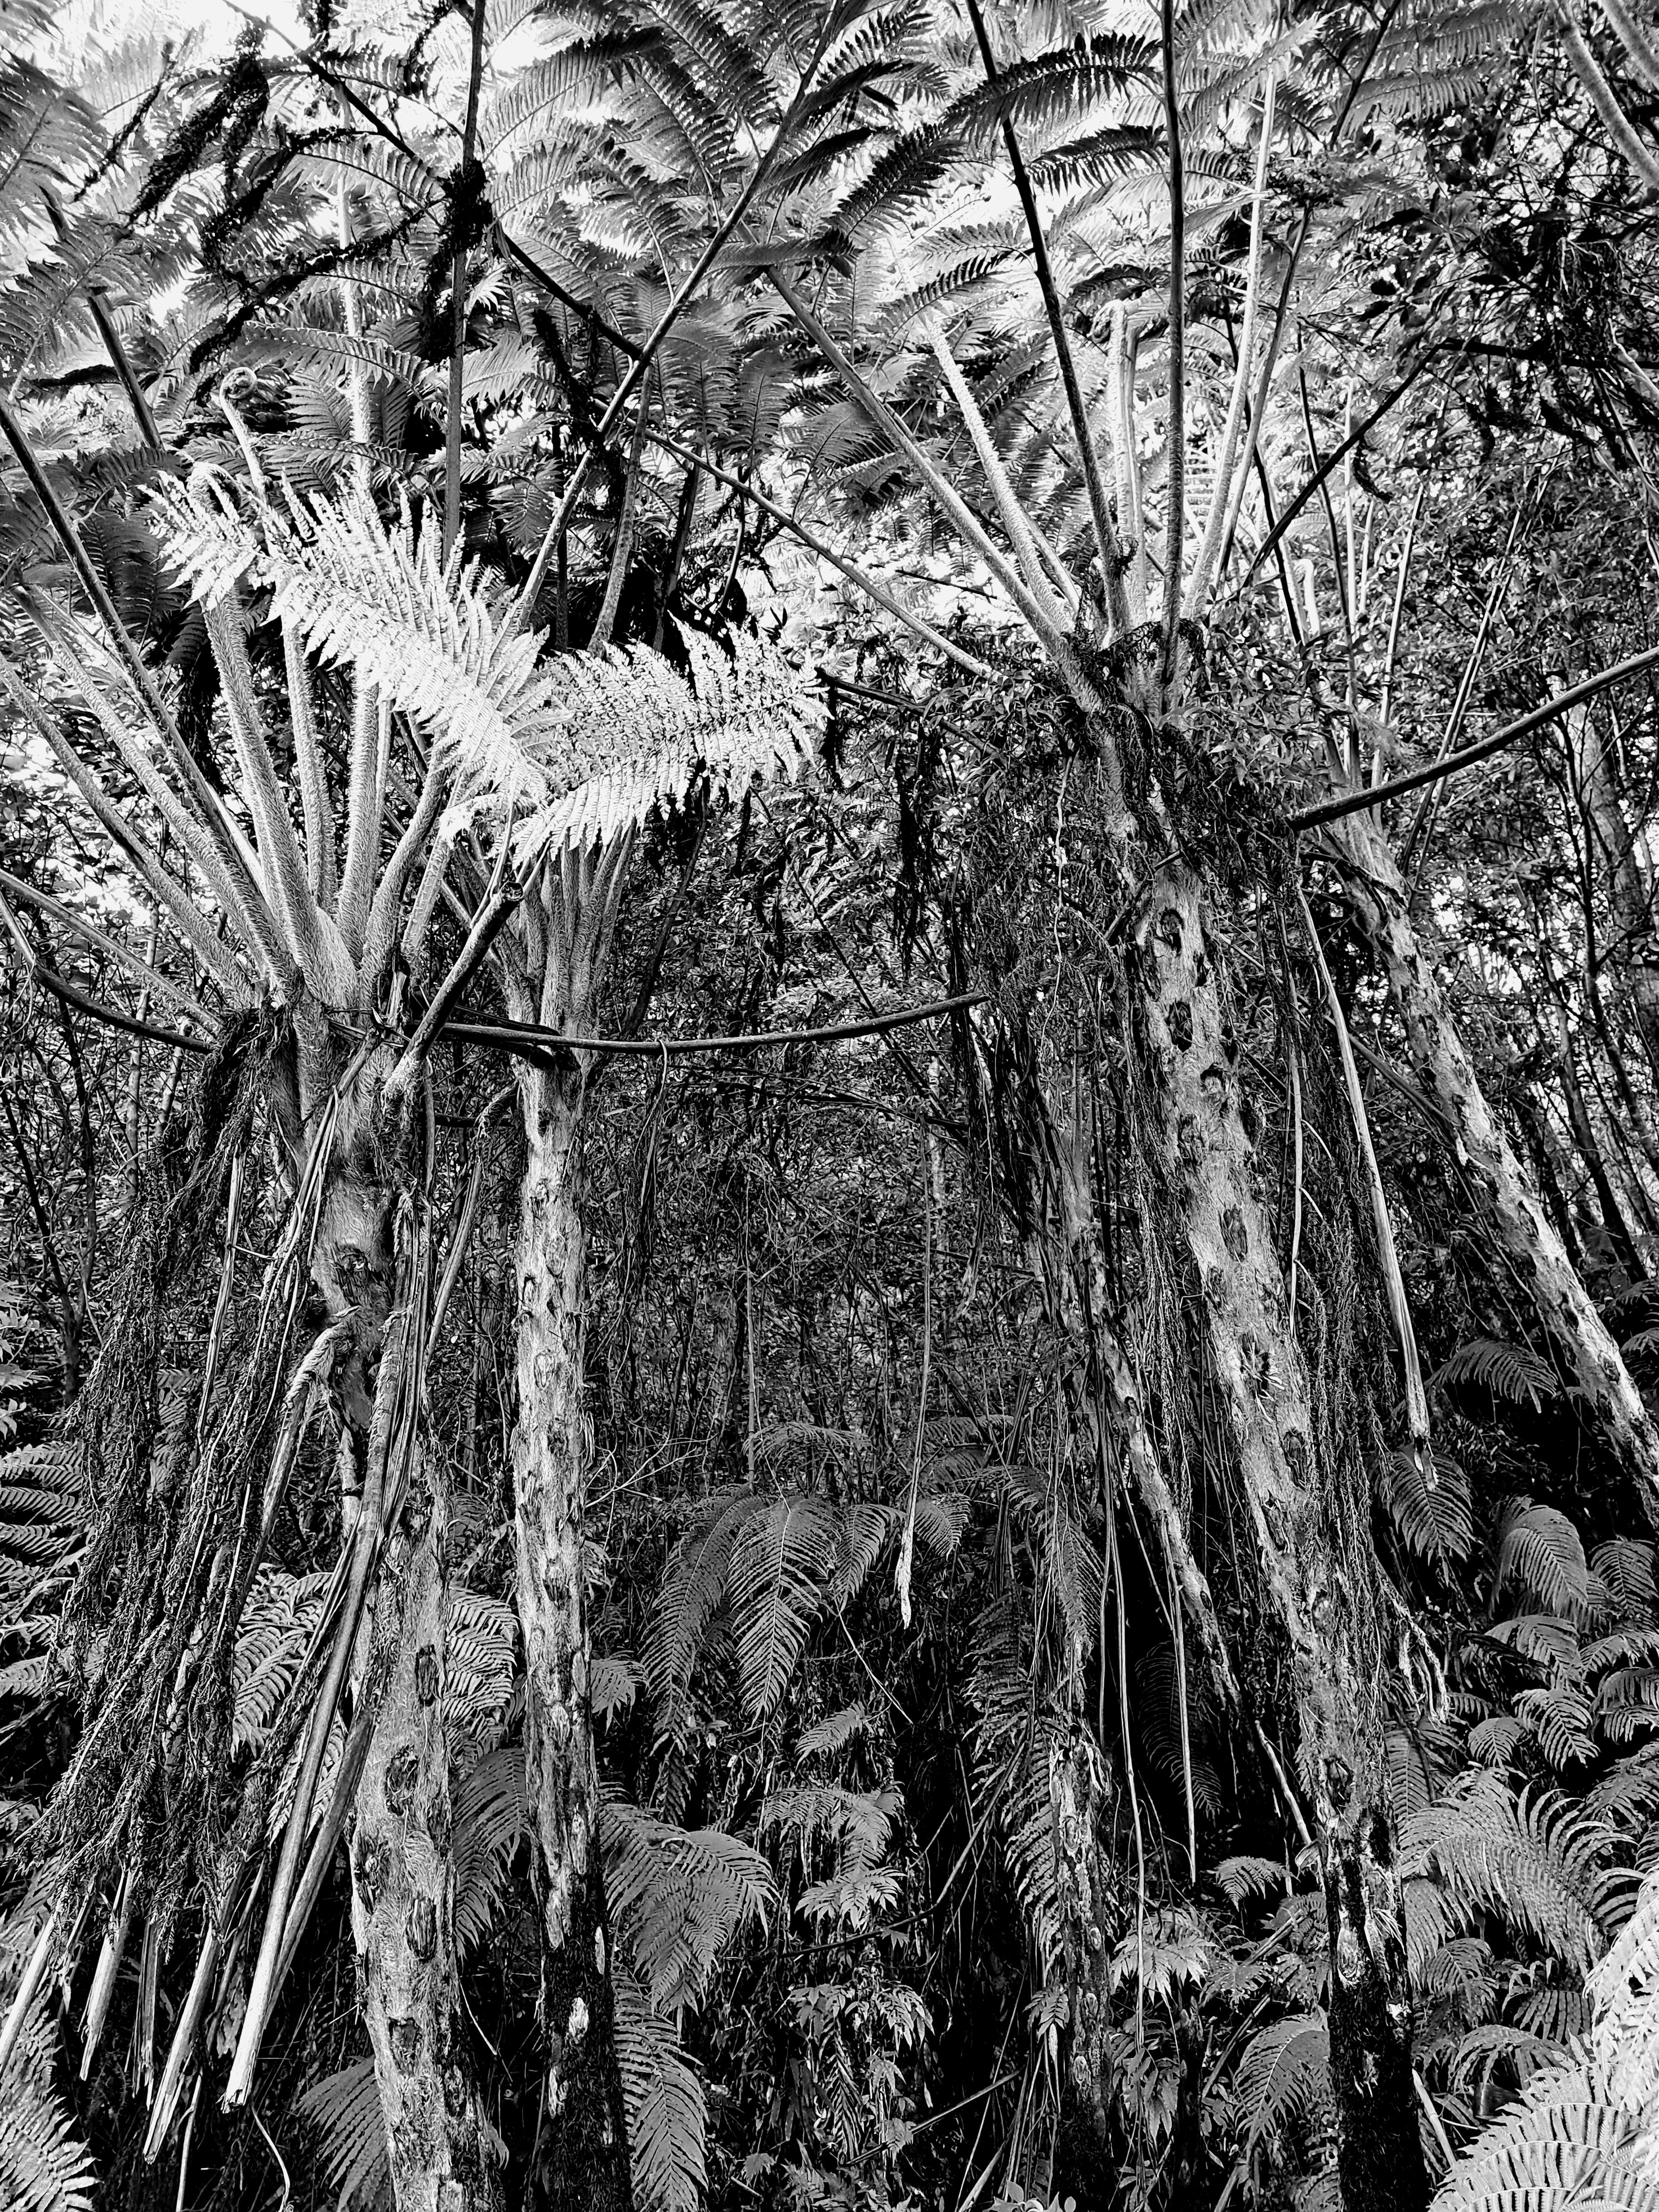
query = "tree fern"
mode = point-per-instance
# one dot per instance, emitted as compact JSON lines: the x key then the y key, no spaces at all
{"x":667,"y":2118}
{"x":1436,"y":1519}
{"x":577,"y":748}
{"x":43,"y":2168}
{"x":1539,"y":1551}
{"x":1509,"y":1372}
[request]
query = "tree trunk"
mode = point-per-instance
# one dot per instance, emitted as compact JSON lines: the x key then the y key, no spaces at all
{"x":1514,"y":1219}
{"x":1379,"y":2147}
{"x":581,"y":2159}
{"x":1590,"y":1151}
{"x":402,"y":1880}
{"x":403,"y":1876}
{"x":1204,"y":1162}
{"x":1635,"y":954}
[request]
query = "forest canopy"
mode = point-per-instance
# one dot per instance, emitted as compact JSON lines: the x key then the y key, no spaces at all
{"x":829,"y":1105}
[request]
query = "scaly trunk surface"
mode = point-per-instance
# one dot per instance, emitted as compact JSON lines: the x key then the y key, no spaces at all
{"x":583,"y":2158}
{"x":1206,"y":1163}
{"x":1514,"y":1218}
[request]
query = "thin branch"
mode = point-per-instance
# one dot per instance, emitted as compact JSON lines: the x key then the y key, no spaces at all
{"x":810,"y":538}
{"x":528,"y":1037}
{"x":670,"y":314}
{"x":1334,"y":809}
{"x":148,"y":974}
{"x":1334,"y":460}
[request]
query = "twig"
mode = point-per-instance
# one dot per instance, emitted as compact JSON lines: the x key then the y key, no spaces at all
{"x":815,"y":544}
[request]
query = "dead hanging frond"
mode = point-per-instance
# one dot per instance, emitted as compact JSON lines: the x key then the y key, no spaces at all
{"x":189,"y":1455}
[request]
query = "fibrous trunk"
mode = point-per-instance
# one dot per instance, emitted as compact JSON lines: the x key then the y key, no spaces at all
{"x":1513,"y":1216}
{"x":1205,"y":1168}
{"x":583,"y":2158}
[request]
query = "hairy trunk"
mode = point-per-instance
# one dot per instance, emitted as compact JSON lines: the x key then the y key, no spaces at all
{"x":583,"y":2158}
{"x":1205,"y":1165}
{"x":1514,"y":1219}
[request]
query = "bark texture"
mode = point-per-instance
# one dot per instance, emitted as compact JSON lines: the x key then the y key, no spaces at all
{"x":1207,"y":1167}
{"x":403,"y":1885}
{"x":582,"y":2157}
{"x":1516,"y":1221}
{"x":1206,"y":1161}
{"x":403,"y":1876}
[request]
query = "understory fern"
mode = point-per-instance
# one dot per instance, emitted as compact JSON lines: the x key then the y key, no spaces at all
{"x":44,"y":2167}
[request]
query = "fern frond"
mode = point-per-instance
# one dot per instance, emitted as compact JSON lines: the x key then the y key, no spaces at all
{"x":344,"y":2108}
{"x":663,"y":2098}
{"x":679,"y":1897}
{"x":43,"y":2168}
{"x":1539,"y":1551}
{"x":780,"y":1562}
{"x":1508,"y":1370}
{"x":1437,"y":1520}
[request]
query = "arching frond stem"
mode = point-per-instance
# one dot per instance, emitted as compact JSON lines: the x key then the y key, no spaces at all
{"x":1176,"y":519}
{"x":1108,"y":542}
{"x":1197,"y":588}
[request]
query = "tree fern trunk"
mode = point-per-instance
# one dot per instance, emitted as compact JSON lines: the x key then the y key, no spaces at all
{"x":1205,"y":1165}
{"x":403,"y":1884}
{"x":1379,"y":2147}
{"x":1514,"y":1220}
{"x":581,"y":2158}
{"x":403,"y":1876}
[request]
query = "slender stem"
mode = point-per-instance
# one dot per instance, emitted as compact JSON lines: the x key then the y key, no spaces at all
{"x":868,"y":584}
{"x":529,"y":1037}
{"x":622,"y":546}
{"x":933,"y":476}
{"x":1270,"y":543}
{"x":1352,"y":802}
{"x":1221,"y":491}
{"x":201,"y":792}
{"x":1108,"y":542}
{"x":148,"y":974}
